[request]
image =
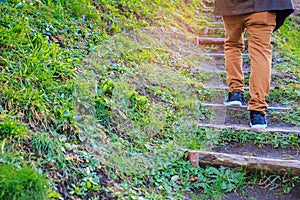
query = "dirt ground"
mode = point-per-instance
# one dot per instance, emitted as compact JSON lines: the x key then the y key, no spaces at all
{"x":267,"y":151}
{"x":265,"y":194}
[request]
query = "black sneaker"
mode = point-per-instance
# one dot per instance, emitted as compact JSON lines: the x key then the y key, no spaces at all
{"x":234,"y":99}
{"x":257,"y":120}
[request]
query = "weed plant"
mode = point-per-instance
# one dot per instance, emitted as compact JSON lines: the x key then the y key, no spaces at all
{"x":10,"y":127}
{"x":289,"y":62}
{"x":22,"y":184}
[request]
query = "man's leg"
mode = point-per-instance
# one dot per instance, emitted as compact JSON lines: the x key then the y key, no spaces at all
{"x":260,"y":27}
{"x":234,"y":45}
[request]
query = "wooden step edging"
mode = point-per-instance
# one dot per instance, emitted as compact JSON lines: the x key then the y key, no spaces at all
{"x":251,"y":163}
{"x":240,"y":127}
{"x":209,"y":40}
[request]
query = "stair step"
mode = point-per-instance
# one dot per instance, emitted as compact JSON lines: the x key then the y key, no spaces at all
{"x":225,"y":87}
{"x":209,"y":40}
{"x":217,"y":23}
{"x":222,"y":114}
{"x":240,"y":127}
{"x":213,"y":66}
{"x":208,"y":3}
{"x":208,"y":29}
{"x":244,"y":107}
{"x":213,"y":40}
{"x":221,"y":55}
{"x":218,"y":17}
{"x":251,"y":163}
{"x":215,"y":79}
{"x":245,"y":70}
{"x":211,"y":18}
{"x":220,"y":87}
{"x":251,"y":149}
{"x":208,"y":11}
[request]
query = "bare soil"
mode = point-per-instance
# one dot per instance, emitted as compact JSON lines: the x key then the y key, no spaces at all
{"x":266,"y":151}
{"x":264,"y":194}
{"x":256,"y":192}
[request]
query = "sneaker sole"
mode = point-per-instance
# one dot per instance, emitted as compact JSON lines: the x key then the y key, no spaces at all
{"x":233,"y":103}
{"x":258,"y":126}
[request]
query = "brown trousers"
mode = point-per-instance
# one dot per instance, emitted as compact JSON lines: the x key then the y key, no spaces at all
{"x":259,"y":28}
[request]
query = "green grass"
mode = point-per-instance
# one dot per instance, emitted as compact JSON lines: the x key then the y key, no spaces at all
{"x":43,"y":47}
{"x":179,"y":178}
{"x":23,"y":184}
{"x":10,"y":127}
{"x":288,"y":63}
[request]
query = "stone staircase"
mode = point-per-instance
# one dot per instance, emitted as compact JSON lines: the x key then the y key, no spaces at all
{"x":228,"y":120}
{"x":227,"y":117}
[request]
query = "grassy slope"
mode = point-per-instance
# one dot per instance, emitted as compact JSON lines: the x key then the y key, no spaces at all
{"x":60,"y":67}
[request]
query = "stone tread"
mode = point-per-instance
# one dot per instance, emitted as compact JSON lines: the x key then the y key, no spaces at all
{"x":224,"y":87}
{"x":221,"y":55}
{"x":243,"y":107}
{"x":218,"y":25}
{"x":216,"y":16}
{"x":241,"y":127}
{"x":212,"y":40}
{"x":245,"y":71}
{"x":209,"y":29}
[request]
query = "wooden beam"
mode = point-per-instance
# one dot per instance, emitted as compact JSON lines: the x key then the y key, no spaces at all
{"x":209,"y":40}
{"x":251,"y":163}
